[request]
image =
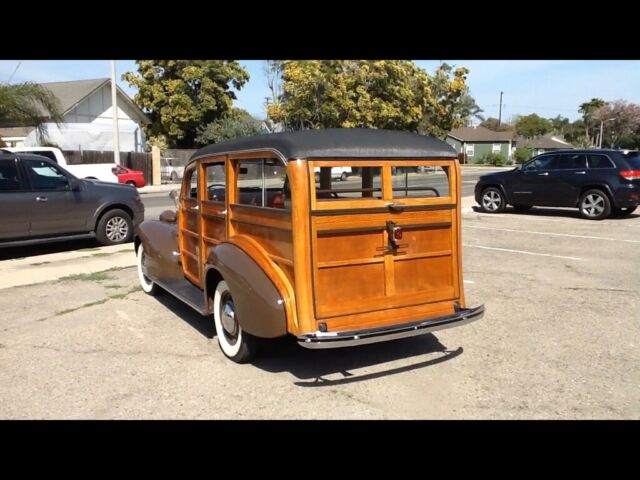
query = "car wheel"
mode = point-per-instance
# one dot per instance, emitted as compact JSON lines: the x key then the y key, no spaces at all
{"x":492,"y":200}
{"x":235,"y":343}
{"x":343,"y":177}
{"x":114,"y":227}
{"x":594,"y":205}
{"x":522,"y":208}
{"x":132,"y":183}
{"x":623,"y":212}
{"x":148,"y":286}
{"x":317,"y":177}
{"x":174,"y":177}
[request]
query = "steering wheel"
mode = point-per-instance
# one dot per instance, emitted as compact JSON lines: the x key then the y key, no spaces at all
{"x":212,"y":188}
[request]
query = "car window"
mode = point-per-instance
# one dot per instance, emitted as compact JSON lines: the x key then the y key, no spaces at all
{"x":571,"y":161}
{"x":359,"y":181}
{"x":45,"y":176}
{"x":599,"y":161}
{"x":216,"y":182}
{"x":633,"y":159}
{"x":263,"y":183}
{"x":546,"y":162}
{"x":420,"y":181}
{"x":49,"y":155}
{"x":9,"y":178}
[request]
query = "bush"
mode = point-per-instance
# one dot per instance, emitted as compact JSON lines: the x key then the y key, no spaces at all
{"x":496,"y":159}
{"x":521,"y":155}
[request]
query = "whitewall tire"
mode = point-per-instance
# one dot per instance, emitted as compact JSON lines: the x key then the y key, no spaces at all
{"x":148,"y":286}
{"x":236,"y":344}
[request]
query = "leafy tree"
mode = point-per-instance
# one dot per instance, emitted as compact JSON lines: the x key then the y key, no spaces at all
{"x":29,"y":104}
{"x":559,"y":124}
{"x":238,"y":123}
{"x":587,"y":109}
{"x":181,"y":95}
{"x":522,"y":154}
{"x":385,"y":94}
{"x":492,"y":124}
{"x":626,"y":120}
{"x":530,"y":126}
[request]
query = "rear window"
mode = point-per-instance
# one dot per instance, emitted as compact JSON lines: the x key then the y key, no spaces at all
{"x":48,"y":154}
{"x":633,"y":159}
{"x":342,"y":183}
{"x":420,"y":181}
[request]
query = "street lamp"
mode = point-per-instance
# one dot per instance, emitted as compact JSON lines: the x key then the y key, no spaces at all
{"x":602,"y":122}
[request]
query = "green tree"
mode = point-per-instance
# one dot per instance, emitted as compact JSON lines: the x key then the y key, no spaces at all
{"x":530,"y":126}
{"x":385,"y":94}
{"x":492,"y":124}
{"x":587,"y":109}
{"x":29,"y":104}
{"x":559,"y":124}
{"x":238,"y":123}
{"x":181,"y":95}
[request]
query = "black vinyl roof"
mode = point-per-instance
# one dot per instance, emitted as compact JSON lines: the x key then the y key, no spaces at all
{"x":338,"y":143}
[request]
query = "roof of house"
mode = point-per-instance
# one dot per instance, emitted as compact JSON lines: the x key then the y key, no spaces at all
{"x":71,"y":93}
{"x":545,"y":142}
{"x":359,"y":143}
{"x":479,"y":134}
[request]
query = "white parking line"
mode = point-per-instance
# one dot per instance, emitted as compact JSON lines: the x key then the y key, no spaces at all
{"x":590,"y":237}
{"x":522,"y":252}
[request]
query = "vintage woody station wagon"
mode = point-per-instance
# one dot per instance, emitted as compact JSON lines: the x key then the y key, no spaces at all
{"x":268,"y":248}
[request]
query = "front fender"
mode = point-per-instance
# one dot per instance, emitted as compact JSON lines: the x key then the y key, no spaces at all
{"x":257,"y":301}
{"x":160,"y":240}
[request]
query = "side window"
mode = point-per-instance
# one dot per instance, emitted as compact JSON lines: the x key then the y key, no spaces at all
{"x":9,"y":178}
{"x":263,"y":183}
{"x":190,"y":182}
{"x":44,"y":176}
{"x":216,"y":182}
{"x":599,"y":161}
{"x":344,"y":183}
{"x":546,"y":162}
{"x":570,"y":161}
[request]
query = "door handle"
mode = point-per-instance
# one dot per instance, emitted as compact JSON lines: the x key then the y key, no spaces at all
{"x":395,"y":206}
{"x":581,"y":173}
{"x":544,"y":173}
{"x":42,"y":199}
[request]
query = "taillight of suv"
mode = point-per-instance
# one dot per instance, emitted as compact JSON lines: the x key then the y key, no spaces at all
{"x":630,"y":174}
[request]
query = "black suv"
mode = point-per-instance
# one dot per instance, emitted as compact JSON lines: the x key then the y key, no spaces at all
{"x":40,"y":201}
{"x":597,"y":182}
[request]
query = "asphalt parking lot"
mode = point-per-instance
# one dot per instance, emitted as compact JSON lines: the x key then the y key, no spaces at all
{"x":560,"y":339}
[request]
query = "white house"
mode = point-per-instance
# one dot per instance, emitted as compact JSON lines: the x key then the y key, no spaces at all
{"x":87,"y":119}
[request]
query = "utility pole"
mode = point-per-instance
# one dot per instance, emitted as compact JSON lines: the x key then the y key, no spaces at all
{"x":500,"y":112}
{"x":114,"y":112}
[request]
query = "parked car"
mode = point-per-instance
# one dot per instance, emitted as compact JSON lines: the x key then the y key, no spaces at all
{"x":91,"y":171}
{"x":259,"y":247}
{"x":131,"y":177}
{"x":337,"y":173}
{"x":42,"y":202}
{"x":171,"y":170}
{"x":597,"y":182}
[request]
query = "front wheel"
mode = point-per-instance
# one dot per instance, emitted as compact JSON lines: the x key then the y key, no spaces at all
{"x":594,"y":205}
{"x":235,"y":343}
{"x":492,"y":200}
{"x":148,"y":286}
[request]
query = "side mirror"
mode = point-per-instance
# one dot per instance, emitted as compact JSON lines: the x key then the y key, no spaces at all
{"x":168,"y":216}
{"x":173,"y":194}
{"x":74,"y":185}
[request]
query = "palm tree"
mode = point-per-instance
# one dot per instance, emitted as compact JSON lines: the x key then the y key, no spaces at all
{"x":28,"y":104}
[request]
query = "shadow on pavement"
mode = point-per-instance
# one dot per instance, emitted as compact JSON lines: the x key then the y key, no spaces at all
{"x":554,"y":212}
{"x":46,"y":248}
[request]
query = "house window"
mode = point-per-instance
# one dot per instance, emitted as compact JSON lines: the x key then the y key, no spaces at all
{"x":496,"y":148}
{"x":469,"y":150}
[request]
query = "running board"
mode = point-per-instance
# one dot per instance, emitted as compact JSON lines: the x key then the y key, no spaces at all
{"x":186,"y":292}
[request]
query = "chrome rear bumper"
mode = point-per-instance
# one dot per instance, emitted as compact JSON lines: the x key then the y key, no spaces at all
{"x":391,"y":332}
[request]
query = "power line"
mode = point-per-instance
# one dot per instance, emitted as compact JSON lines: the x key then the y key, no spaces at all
{"x":14,"y":71}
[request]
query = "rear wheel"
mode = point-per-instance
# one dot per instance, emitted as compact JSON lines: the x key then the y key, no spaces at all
{"x":114,"y":227}
{"x":235,"y":343}
{"x":594,"y":205}
{"x":623,"y":212}
{"x":132,"y":183}
{"x":492,"y":200}
{"x":343,"y":177}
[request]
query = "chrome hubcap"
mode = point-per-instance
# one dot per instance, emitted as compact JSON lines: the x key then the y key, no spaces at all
{"x":593,"y":205}
{"x":228,"y":318}
{"x":491,"y":201}
{"x":117,"y":229}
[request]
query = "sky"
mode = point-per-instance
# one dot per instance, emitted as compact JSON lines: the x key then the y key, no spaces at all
{"x":546,"y":87}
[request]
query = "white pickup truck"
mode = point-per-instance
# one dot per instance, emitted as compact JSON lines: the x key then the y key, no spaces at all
{"x":97,"y":171}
